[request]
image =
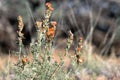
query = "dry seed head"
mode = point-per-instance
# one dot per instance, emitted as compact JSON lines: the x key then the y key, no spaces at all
{"x":19,"y":18}
{"x":70,"y":39}
{"x":38,"y":24}
{"x":20,"y":27}
{"x":69,"y":42}
{"x":20,"y":23}
{"x":70,"y":34}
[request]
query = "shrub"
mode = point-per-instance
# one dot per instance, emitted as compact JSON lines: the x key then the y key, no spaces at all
{"x":43,"y":66}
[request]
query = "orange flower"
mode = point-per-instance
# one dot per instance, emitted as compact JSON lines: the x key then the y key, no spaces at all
{"x":49,"y":6}
{"x":50,"y":32}
{"x":24,"y":60}
{"x":78,"y":49}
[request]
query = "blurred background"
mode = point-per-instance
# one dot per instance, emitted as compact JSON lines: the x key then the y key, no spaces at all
{"x":97,"y":21}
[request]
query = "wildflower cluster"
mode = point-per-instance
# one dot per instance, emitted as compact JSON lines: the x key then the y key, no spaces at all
{"x":20,"y":28}
{"x":41,"y":66}
{"x":20,"y":34}
{"x":78,"y":51}
{"x":78,"y":48}
{"x":69,"y":41}
{"x":47,"y":28}
{"x":51,"y":31}
{"x":43,"y":26}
